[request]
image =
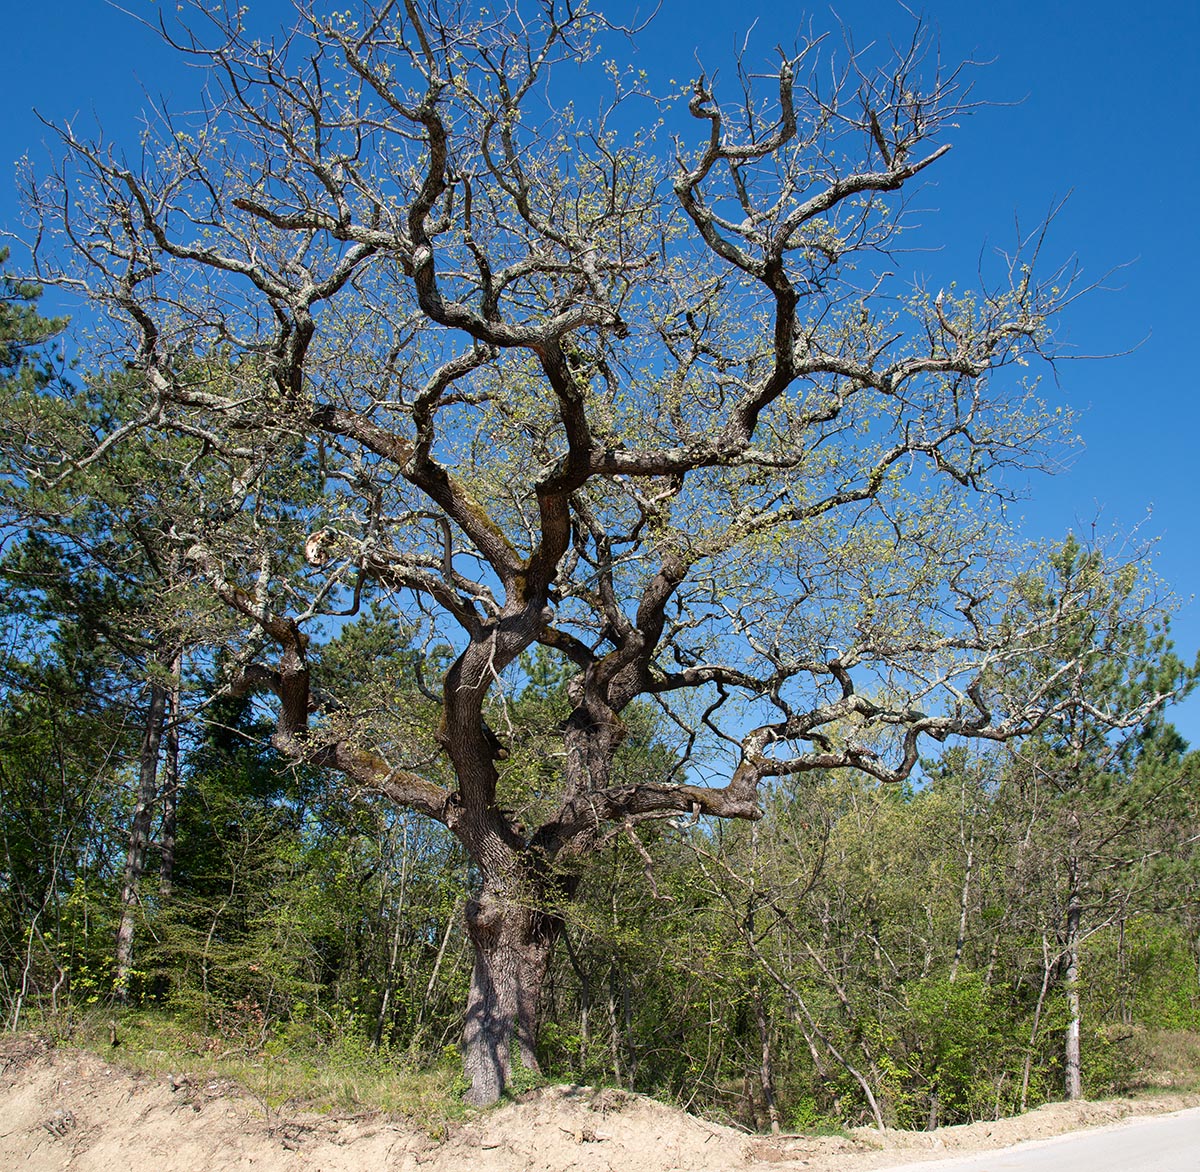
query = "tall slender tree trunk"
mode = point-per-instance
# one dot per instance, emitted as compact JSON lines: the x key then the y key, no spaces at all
{"x":426,"y":1001}
{"x":766,"y":1069}
{"x":139,"y":835}
{"x":964,"y":908}
{"x":169,"y":790}
{"x":1125,"y":1002}
{"x":585,"y":1001}
{"x":614,"y":1027}
{"x":1072,"y":1056}
{"x":1027,"y":1068}
{"x":389,"y":975}
{"x":804,"y":1019}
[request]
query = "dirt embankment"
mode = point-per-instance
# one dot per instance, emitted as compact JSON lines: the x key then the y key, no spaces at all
{"x":64,"y":1109}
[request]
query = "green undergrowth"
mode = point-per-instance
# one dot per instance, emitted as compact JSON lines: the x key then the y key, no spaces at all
{"x":339,"y":1072}
{"x":293,"y":1070}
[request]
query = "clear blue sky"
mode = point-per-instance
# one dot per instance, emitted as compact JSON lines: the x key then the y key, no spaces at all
{"x":1106,"y":106}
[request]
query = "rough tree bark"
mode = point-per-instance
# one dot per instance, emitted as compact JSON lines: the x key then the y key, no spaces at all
{"x":512,"y":942}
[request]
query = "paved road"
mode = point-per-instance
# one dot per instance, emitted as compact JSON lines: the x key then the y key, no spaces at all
{"x":1156,"y":1143}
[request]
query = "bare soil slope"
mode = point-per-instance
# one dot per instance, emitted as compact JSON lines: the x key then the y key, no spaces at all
{"x":64,"y":1109}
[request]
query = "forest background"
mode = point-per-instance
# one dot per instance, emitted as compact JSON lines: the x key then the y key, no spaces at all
{"x":915,"y":953}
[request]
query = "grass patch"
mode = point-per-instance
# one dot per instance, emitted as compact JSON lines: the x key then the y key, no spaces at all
{"x":1163,"y":1059}
{"x":298,"y":1070}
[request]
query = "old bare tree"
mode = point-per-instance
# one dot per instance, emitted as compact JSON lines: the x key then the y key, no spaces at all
{"x":638,"y":388}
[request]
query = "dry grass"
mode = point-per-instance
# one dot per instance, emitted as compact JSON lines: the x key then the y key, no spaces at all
{"x":1163,"y":1059}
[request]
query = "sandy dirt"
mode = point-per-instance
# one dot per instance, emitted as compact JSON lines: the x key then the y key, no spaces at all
{"x":63,"y":1109}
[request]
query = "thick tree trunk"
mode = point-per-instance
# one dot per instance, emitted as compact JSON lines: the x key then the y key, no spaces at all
{"x":513,"y":943}
{"x":139,"y":836}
